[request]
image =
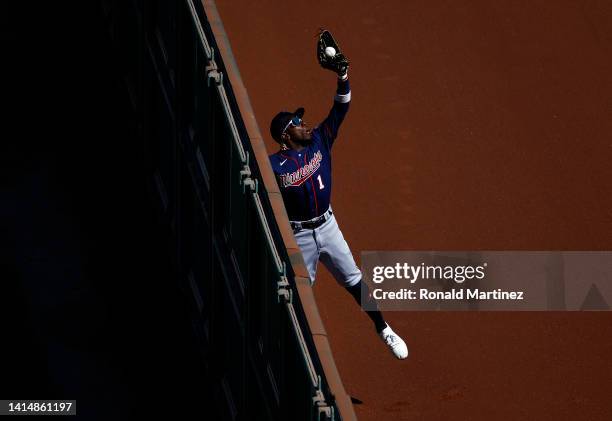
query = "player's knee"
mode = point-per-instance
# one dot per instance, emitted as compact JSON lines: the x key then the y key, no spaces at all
{"x":353,"y":279}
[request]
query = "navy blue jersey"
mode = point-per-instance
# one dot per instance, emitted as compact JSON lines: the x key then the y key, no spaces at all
{"x":304,"y":177}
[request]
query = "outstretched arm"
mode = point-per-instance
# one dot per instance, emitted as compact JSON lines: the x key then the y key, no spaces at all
{"x":330,"y":126}
{"x":330,"y":57}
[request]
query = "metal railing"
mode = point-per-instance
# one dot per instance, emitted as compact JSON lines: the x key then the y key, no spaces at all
{"x":321,"y":403}
{"x":253,"y":311}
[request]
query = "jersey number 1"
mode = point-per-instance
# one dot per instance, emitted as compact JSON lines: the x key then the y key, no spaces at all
{"x":321,"y":186}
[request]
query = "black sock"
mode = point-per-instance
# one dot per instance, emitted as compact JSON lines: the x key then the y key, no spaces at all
{"x":374,"y":315}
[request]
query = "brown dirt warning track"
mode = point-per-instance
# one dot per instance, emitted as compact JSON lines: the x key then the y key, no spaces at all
{"x":474,"y":125}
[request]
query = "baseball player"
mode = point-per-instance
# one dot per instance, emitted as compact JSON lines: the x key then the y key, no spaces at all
{"x":302,"y":168}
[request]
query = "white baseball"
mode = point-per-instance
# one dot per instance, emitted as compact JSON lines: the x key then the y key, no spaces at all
{"x":330,"y":51}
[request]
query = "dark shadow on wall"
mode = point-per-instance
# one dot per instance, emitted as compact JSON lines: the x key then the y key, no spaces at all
{"x":90,"y":307}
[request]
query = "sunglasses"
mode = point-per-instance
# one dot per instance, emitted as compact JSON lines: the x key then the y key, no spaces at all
{"x":295,"y":122}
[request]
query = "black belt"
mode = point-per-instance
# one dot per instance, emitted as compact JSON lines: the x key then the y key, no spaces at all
{"x":312,"y":223}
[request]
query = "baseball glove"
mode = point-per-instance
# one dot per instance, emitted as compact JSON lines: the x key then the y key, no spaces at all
{"x":337,"y":62}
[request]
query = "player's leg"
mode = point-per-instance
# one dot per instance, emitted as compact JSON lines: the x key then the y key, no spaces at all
{"x":310,"y":251}
{"x":337,"y":257}
{"x":336,"y":254}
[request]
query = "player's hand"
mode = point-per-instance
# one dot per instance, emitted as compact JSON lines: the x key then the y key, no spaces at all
{"x":329,"y":55}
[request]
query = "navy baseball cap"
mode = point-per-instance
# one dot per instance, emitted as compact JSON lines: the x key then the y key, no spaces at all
{"x":280,"y":122}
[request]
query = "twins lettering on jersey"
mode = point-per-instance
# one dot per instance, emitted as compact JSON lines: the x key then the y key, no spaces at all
{"x":302,"y":174}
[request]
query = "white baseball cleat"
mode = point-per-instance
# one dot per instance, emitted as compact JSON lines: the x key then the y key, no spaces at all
{"x":394,"y":342}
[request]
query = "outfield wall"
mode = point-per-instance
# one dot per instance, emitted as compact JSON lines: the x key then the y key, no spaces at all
{"x":254,"y":313}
